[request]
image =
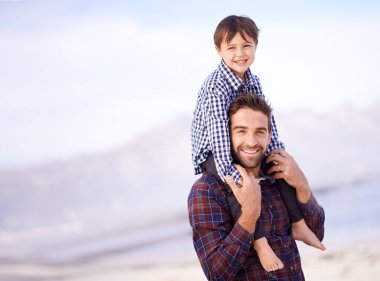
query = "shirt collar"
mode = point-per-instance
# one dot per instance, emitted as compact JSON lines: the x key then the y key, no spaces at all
{"x":266,"y":177}
{"x":233,"y":79}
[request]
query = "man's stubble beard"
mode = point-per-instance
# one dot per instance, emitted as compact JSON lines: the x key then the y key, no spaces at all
{"x":257,"y":163}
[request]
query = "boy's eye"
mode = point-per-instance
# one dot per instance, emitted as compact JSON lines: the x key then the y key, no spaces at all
{"x":230,"y":48}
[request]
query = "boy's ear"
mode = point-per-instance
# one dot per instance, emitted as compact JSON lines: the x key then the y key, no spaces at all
{"x":218,"y":50}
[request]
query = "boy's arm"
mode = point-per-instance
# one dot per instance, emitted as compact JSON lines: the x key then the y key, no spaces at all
{"x":216,"y":107}
{"x":275,"y":142}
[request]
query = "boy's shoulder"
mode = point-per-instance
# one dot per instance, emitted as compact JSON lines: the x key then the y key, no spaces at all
{"x":215,"y":80}
{"x":222,"y":79}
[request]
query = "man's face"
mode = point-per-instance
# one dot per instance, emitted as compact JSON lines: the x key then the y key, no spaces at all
{"x":238,"y":54}
{"x":250,"y":137}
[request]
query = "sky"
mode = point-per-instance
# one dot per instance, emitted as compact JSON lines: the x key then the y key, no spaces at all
{"x":87,"y":76}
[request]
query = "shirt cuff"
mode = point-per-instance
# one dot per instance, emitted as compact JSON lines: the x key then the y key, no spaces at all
{"x":309,"y":207}
{"x":240,"y":236}
{"x":235,"y":175}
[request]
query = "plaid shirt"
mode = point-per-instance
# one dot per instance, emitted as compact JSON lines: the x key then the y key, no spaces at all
{"x":209,"y":130}
{"x":224,"y":248}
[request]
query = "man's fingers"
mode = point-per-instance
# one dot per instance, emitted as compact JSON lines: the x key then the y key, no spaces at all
{"x":274,"y":157}
{"x":280,"y":151}
{"x":242,"y":171}
{"x":231,"y":182}
{"x":278,"y":176}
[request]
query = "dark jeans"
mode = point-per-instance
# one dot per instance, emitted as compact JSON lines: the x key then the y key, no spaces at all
{"x":287,"y":192}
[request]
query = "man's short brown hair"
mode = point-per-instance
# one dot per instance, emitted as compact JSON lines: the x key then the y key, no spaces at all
{"x":253,"y":102}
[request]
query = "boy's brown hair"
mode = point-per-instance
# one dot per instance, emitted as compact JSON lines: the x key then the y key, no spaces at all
{"x":229,"y":26}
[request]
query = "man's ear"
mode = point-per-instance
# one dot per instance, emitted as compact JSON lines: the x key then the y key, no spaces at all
{"x":270,"y":137}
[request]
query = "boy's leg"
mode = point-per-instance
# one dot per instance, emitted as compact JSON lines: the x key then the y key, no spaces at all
{"x":288,"y":194}
{"x":300,"y":230}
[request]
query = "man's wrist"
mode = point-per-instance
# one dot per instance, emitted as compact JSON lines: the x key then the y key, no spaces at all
{"x":248,"y":218}
{"x":303,"y":193}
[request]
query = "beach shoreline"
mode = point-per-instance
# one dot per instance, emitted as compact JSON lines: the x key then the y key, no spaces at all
{"x":357,"y":262}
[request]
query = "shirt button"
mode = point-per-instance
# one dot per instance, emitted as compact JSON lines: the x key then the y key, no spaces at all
{"x":291,"y":268}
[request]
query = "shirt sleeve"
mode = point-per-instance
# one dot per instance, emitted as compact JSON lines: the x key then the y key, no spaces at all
{"x":216,"y":113}
{"x":275,"y":140}
{"x":314,"y":216}
{"x":222,"y":248}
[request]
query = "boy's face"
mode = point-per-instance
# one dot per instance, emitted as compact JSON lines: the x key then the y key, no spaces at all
{"x":238,"y":54}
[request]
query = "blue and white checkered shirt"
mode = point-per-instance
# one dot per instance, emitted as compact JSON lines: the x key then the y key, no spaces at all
{"x":209,"y":130}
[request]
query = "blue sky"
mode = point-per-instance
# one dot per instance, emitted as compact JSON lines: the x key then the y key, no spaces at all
{"x":85,"y":76}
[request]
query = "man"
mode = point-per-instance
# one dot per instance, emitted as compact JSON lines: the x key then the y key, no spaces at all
{"x":224,"y":245}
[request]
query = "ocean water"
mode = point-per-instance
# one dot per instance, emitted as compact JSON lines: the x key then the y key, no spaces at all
{"x":352,"y":216}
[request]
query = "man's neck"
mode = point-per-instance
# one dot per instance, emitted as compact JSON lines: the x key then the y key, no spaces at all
{"x":253,"y":172}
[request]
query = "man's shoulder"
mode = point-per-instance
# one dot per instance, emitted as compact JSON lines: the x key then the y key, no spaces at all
{"x":209,"y":183}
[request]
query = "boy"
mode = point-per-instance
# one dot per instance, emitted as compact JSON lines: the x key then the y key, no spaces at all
{"x":235,"y":39}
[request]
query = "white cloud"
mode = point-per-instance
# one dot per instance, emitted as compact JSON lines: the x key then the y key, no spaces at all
{"x":75,"y":88}
{"x":320,"y":65}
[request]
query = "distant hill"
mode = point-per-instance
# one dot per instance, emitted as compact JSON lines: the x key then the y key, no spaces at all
{"x":115,"y":184}
{"x":151,"y":175}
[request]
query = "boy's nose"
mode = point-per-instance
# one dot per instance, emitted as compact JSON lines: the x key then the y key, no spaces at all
{"x":239,"y":51}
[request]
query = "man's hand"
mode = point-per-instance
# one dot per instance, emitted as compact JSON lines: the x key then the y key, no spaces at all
{"x":249,"y":197}
{"x":286,"y":168}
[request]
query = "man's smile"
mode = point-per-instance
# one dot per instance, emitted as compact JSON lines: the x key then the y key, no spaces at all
{"x":251,"y":151}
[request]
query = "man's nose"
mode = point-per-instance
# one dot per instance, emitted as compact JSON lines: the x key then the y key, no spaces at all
{"x":251,"y":139}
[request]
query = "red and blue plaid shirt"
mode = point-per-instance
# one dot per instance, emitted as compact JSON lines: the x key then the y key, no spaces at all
{"x":224,"y":248}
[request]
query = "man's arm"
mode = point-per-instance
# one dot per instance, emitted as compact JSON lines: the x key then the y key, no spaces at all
{"x":222,"y":247}
{"x":288,"y":169}
{"x":314,"y":216}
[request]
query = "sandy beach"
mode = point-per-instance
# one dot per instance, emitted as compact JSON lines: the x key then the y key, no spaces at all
{"x":360,"y":262}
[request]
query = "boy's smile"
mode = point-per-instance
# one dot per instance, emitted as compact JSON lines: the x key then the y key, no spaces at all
{"x":238,"y":54}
